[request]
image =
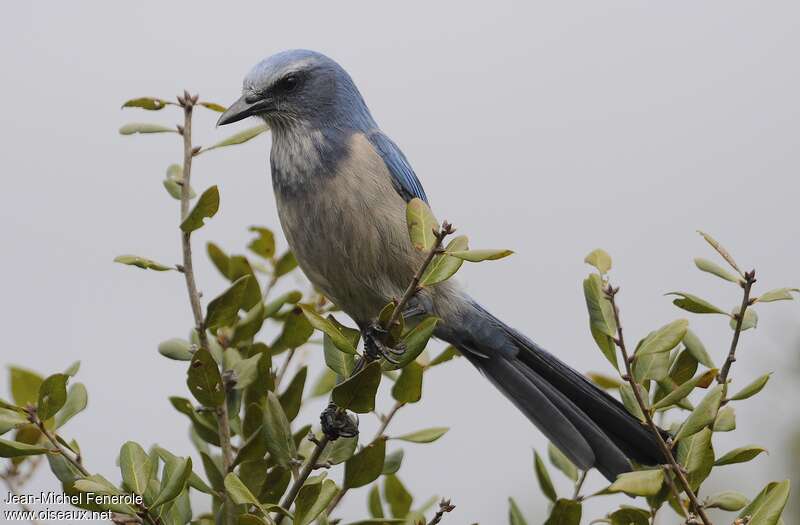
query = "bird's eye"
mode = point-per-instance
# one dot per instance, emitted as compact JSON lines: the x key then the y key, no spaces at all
{"x":289,"y":84}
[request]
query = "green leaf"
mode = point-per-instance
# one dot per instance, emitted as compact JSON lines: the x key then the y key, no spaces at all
{"x":397,"y":496}
{"x":264,"y":244}
{"x":312,"y":500}
{"x":52,"y":396}
{"x":24,"y":386}
{"x":246,"y":371}
{"x":715,"y":269}
{"x":739,"y":455}
{"x":629,"y":400}
{"x":414,"y":341}
{"x":514,"y":514}
{"x":604,"y":381}
{"x":149,"y":103}
{"x":561,"y":462}
{"x":141,"y":262}
{"x":293,"y":395}
{"x":606,"y":345}
{"x":749,"y":321}
{"x":720,"y":250}
{"x":205,"y":208}
{"x":429,"y":435}
{"x":366,"y":465}
{"x":285,"y":264}
{"x":143,"y":127}
{"x":358,"y":392}
{"x":296,"y":331}
{"x":703,"y":415}
{"x":695,"y":347}
{"x":239,"y":492}
{"x":408,"y":387}
{"x":278,"y":433}
{"x":176,"y":474}
{"x":651,"y":366}
{"x":443,"y":266}
{"x":726,"y":420}
{"x":664,"y":339}
{"x":326,"y":326}
{"x":728,"y":500}
{"x":694,"y":304}
{"x":392,"y":462}
{"x":11,"y":419}
{"x":247,"y":327}
{"x":446,"y":355}
{"x":324,"y":383}
{"x":696,"y":455}
{"x":630,"y":516}
{"x":779,"y":294}
{"x":751,"y":389}
{"x":768,"y":510}
{"x":219,"y":258}
{"x":203,"y":424}
{"x":241,"y":137}
{"x":14,"y":449}
{"x":421,"y":225}
{"x":213,"y":106}
{"x":204,"y":380}
{"x":600,"y":259}
{"x":684,"y":389}
{"x":639,"y":483}
{"x":136,"y":467}
{"x":339,"y":451}
{"x":176,"y":348}
{"x":565,"y":512}
{"x":338,"y":361}
{"x":543,"y":476}
{"x":374,"y":504}
{"x":97,"y":484}
{"x":602,"y":321}
{"x":223,"y":310}
{"x":481,"y":255}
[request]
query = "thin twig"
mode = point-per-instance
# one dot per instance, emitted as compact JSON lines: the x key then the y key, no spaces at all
{"x":187,"y":102}
{"x":308,"y":467}
{"x":747,"y":285}
{"x":577,"y":493}
{"x":75,"y":461}
{"x":413,"y":286}
{"x":444,"y":508}
{"x":611,"y":292}
{"x":379,"y":434}
{"x":284,"y":367}
{"x":674,"y":490}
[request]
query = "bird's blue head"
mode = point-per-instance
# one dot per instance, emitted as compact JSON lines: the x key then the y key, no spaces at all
{"x":300,"y":87}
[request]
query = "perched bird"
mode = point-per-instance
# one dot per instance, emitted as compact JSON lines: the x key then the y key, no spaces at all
{"x":341,"y":187}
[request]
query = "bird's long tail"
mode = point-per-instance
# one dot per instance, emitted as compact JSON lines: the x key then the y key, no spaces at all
{"x":589,"y":426}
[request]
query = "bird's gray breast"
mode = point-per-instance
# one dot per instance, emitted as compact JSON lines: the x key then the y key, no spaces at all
{"x":344,"y":220}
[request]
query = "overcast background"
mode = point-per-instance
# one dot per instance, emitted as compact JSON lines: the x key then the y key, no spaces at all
{"x":549,"y":128}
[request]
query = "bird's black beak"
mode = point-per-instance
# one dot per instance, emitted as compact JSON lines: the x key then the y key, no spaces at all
{"x":243,"y":108}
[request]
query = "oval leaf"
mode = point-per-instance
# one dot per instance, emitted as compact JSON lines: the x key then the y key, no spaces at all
{"x":205,"y":208}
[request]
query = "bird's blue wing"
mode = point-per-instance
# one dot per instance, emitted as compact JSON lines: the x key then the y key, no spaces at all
{"x":404,"y":179}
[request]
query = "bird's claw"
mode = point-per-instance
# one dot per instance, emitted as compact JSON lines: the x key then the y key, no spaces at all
{"x":374,"y":347}
{"x":336,"y":423}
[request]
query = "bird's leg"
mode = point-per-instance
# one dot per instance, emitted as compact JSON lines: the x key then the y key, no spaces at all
{"x":336,"y":423}
{"x":374,"y":346}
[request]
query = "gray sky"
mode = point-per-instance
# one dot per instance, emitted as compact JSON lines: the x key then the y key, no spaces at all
{"x":548,"y":128}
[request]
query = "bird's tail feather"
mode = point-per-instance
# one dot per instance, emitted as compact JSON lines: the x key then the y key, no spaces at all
{"x":592,"y":428}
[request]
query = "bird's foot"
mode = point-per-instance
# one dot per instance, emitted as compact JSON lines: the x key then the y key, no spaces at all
{"x":336,"y":423}
{"x":374,"y":347}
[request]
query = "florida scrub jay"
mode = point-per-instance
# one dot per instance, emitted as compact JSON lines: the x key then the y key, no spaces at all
{"x":341,"y":187}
